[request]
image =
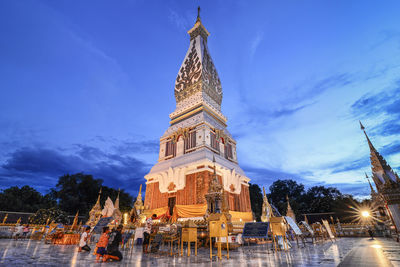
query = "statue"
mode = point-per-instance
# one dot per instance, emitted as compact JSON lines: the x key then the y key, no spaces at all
{"x":136,"y":215}
{"x":214,"y":195}
{"x":108,"y":209}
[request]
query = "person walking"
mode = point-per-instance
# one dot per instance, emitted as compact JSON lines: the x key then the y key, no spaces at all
{"x":84,"y":239}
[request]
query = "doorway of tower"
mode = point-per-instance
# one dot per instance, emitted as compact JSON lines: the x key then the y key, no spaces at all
{"x":171,"y":205}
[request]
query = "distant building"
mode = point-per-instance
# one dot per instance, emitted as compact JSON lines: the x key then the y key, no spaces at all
{"x":387,"y":183}
{"x":197,"y":132}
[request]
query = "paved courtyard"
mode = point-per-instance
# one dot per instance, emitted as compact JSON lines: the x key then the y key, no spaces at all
{"x":343,"y":252}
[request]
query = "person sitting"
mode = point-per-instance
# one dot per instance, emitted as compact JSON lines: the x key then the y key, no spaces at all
{"x":84,"y":239}
{"x":102,"y":244}
{"x":147,"y":231}
{"x":112,"y":249}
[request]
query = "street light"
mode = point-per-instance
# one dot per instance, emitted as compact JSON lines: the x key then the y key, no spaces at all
{"x":365,"y":214}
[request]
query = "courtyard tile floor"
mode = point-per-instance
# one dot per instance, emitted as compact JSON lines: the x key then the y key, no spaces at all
{"x":345,"y":251}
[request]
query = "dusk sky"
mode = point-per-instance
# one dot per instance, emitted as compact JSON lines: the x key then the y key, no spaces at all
{"x":87,"y":86}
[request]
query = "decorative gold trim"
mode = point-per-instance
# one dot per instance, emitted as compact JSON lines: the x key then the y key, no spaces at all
{"x":202,"y":107}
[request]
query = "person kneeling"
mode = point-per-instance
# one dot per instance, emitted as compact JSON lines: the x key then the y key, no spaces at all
{"x":102,"y":244}
{"x":84,"y":239}
{"x":112,"y":249}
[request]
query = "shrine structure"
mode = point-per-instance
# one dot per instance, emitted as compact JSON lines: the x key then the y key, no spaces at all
{"x":180,"y":179}
{"x":387,"y":183}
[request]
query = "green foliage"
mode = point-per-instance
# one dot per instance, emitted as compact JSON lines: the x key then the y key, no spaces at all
{"x":282,"y":188}
{"x":256,"y":200}
{"x":80,"y":191}
{"x":317,"y":199}
{"x":52,"y":214}
{"x":24,"y":199}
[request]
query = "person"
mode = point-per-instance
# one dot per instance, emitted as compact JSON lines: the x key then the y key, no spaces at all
{"x":371,"y":233}
{"x":113,"y":243}
{"x":147,"y":231}
{"x":84,"y":239}
{"x":102,"y":244}
{"x":26,"y":231}
{"x":19,"y":230}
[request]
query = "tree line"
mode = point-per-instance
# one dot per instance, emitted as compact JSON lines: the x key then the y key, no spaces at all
{"x":317,"y":199}
{"x":79,"y":192}
{"x":72,"y":193}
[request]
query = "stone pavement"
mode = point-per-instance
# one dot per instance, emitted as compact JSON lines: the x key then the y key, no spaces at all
{"x":345,"y":251}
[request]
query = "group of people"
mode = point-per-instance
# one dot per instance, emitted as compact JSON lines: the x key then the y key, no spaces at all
{"x":107,"y":246}
{"x":21,"y":231}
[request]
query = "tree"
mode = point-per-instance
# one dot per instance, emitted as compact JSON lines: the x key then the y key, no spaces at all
{"x":24,"y":199}
{"x":256,"y":199}
{"x":282,"y":188}
{"x":51,"y":215}
{"x":321,"y":199}
{"x":79,"y":192}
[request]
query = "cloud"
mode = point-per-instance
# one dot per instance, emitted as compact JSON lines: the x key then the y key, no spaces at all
{"x":255,"y":43}
{"x":383,"y":103}
{"x":346,"y":165}
{"x":358,"y":190}
{"x":300,"y":97}
{"x":266,"y":176}
{"x":41,"y":167}
{"x":390,"y":149}
{"x":148,"y":146}
{"x":179,"y":21}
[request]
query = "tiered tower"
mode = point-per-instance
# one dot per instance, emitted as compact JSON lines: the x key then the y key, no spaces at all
{"x":95,"y":212}
{"x":387,"y":182}
{"x":197,"y":132}
{"x":289,"y":210}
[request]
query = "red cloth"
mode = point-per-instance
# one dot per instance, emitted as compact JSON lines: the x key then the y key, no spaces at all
{"x":103,"y":240}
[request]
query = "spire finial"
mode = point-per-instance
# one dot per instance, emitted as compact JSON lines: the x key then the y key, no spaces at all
{"x":198,"y":13}
{"x":362,"y":126}
{"x":370,"y":185}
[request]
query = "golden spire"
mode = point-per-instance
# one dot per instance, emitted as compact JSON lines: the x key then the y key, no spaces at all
{"x":116,"y":204}
{"x":370,"y":185}
{"x":98,"y":198}
{"x":382,"y":173}
{"x":75,"y":222}
{"x":139,"y":197}
{"x":289,"y":211}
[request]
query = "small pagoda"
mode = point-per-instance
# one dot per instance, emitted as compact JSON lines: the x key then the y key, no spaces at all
{"x":95,"y":212}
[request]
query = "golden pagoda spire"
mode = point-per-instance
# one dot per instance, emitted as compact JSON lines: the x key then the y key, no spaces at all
{"x":289,"y":211}
{"x":116,"y":204}
{"x":382,"y":173}
{"x":370,"y":185}
{"x":75,"y":222}
{"x":98,"y":199}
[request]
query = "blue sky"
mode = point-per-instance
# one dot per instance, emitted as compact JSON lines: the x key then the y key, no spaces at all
{"x":87,"y":86}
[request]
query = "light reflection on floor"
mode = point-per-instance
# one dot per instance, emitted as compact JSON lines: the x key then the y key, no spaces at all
{"x":24,"y":252}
